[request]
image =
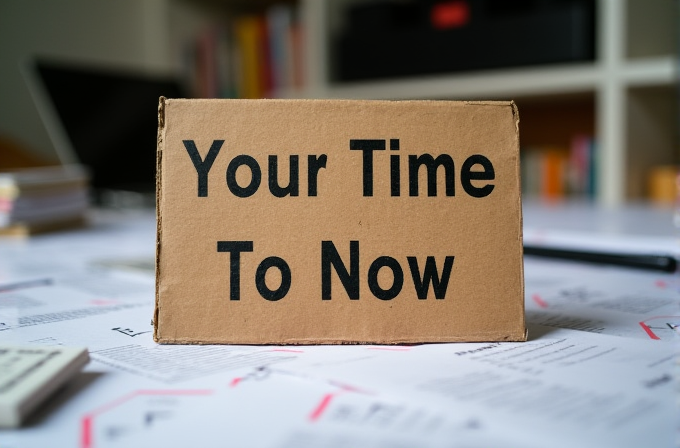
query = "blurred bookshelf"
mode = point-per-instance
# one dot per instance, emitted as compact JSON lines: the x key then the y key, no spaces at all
{"x":245,"y":50}
{"x":593,"y":128}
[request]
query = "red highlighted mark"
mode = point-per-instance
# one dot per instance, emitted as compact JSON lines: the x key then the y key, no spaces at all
{"x":661,"y":284}
{"x":539,"y":301}
{"x":318,"y":411}
{"x":649,"y":331}
{"x":321,"y":407}
{"x":289,"y":350}
{"x":350,"y":388}
{"x":665,"y":324}
{"x":86,"y":432}
{"x":235,"y":382}
{"x":86,"y":423}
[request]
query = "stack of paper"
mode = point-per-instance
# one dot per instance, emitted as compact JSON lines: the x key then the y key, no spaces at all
{"x":40,"y":199}
{"x":599,"y":369}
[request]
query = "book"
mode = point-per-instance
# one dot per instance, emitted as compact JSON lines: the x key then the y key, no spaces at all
{"x":553,"y":173}
{"x":40,"y":199}
{"x":257,"y":55}
{"x":248,"y":38}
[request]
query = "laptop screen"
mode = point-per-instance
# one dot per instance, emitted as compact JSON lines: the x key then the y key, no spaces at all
{"x":107,"y":119}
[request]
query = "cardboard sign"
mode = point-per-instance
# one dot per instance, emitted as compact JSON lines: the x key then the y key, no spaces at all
{"x":319,"y":221}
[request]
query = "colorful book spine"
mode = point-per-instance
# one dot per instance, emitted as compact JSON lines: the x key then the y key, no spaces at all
{"x":554,"y":173}
{"x":249,"y":56}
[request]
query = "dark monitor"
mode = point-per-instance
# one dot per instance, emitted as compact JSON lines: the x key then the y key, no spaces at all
{"x":104,"y":119}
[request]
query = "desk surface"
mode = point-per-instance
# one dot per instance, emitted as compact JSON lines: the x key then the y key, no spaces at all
{"x":598,"y":369}
{"x":632,"y":220}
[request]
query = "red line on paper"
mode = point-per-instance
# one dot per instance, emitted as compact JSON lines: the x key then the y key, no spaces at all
{"x":86,"y":423}
{"x":319,"y":410}
{"x":350,"y":388}
{"x":235,"y":381}
{"x":326,"y":400}
{"x":86,"y":432}
{"x":539,"y":301}
{"x":649,"y":331}
{"x":286,"y":350}
{"x":112,"y":404}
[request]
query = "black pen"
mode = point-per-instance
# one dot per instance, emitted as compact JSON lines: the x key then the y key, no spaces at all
{"x":664,"y":263}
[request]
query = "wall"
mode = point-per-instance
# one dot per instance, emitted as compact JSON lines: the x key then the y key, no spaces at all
{"x":131,"y":34}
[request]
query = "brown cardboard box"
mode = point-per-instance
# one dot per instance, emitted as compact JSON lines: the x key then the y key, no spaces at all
{"x":366,"y":244}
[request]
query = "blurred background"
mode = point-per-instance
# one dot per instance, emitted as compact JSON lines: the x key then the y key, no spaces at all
{"x":595,"y":80}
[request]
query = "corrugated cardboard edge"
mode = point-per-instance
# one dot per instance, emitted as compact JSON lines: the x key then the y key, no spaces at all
{"x":159,"y":216}
{"x":520,"y":236}
{"x":482,"y":337}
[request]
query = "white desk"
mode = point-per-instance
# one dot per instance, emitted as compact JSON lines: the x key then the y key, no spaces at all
{"x":600,"y":373}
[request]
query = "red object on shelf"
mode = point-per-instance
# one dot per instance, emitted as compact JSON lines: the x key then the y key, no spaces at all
{"x":452,"y":14}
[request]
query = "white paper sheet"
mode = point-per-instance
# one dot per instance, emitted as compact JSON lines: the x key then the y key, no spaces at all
{"x":609,"y":386}
{"x":564,"y":387}
{"x":603,"y":299}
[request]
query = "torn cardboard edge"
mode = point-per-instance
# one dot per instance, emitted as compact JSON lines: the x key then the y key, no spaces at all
{"x":159,"y":215}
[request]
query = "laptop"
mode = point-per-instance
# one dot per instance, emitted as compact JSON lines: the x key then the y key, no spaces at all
{"x":105,"y":119}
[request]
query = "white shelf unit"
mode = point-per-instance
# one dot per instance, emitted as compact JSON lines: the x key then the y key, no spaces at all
{"x":632,"y":86}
